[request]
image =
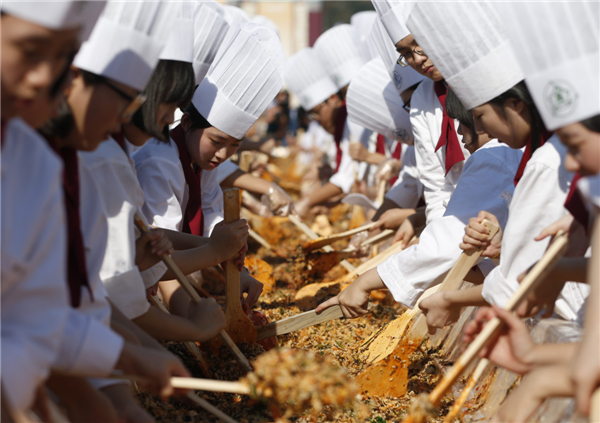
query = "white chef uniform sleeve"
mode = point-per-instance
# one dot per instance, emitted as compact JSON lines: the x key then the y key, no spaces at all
{"x":212,"y":200}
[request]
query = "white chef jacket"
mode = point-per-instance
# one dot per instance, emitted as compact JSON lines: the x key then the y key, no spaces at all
{"x":122,"y":196}
{"x":407,"y":190}
{"x":161,"y":177}
{"x":35,"y":299}
{"x":350,"y":169}
{"x":426,"y":117}
{"x":589,"y":187}
{"x":487,"y":183}
{"x":537,"y":203}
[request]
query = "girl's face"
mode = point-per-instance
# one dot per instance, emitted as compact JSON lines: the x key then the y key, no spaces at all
{"x":165,"y":114}
{"x":97,"y":110}
{"x":583,"y":149}
{"x":467,"y":139}
{"x":208,"y":147}
{"x":33,"y":57}
{"x":510,"y":124}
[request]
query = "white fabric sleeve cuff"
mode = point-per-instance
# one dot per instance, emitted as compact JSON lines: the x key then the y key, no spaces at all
{"x":99,"y":350}
{"x":342,"y":182}
{"x":496,"y":290}
{"x":392,"y":277}
{"x":210,"y":221}
{"x":126,"y":291}
{"x":152,"y":275}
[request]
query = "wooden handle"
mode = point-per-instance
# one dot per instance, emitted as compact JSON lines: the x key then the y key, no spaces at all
{"x":385,"y":234}
{"x":210,"y":385}
{"x":465,"y":262}
{"x":309,"y":233}
{"x":535,"y":276}
{"x":299,"y":321}
{"x":259,"y":239}
{"x":595,"y":407}
{"x":326,"y":240}
{"x":231,"y":199}
{"x":459,"y":402}
{"x":381,"y":192}
{"x":171,"y":265}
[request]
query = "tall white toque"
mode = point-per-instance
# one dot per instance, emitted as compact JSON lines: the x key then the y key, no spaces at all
{"x":557,"y":45}
{"x":403,"y":77}
{"x":468,"y":44}
{"x":393,"y":15}
{"x":306,"y":77}
{"x":363,"y":22}
{"x":180,"y":39}
{"x":244,"y":78}
{"x":210,"y":28}
{"x":235,"y":15}
{"x":264,"y":21}
{"x":57,"y":15}
{"x":374,"y":103}
{"x":126,"y":42}
{"x":339,"y":51}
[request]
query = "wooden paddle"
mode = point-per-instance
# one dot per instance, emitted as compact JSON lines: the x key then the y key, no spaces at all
{"x":238,"y":326}
{"x":464,"y":395}
{"x":320,"y":242}
{"x":195,"y":298}
{"x":492,"y":329}
{"x":380,"y":193}
{"x":595,"y":407}
{"x":309,"y":233}
{"x":300,"y":321}
{"x":403,"y":335}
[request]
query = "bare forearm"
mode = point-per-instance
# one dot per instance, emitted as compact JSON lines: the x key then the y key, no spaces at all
{"x":418,"y":218}
{"x":551,"y":354}
{"x":183,"y":241}
{"x":168,"y":327}
{"x":375,"y":158}
{"x":466,"y":297}
{"x":571,"y":269}
{"x":146,"y":340}
{"x":192,"y":260}
{"x":385,"y":206}
{"x":245,"y":181}
{"x":323,"y":194}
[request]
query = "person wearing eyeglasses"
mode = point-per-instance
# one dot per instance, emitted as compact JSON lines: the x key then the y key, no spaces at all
{"x":440,"y":155}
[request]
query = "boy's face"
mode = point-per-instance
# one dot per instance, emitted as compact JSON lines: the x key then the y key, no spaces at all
{"x":419,"y":62}
{"x":326,"y":113}
{"x":583,"y":149}
{"x":33,"y":57}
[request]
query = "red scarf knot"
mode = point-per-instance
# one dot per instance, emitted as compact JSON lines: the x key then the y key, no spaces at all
{"x":449,"y":137}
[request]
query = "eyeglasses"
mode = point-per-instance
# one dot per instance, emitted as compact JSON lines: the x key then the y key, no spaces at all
{"x":134,"y":102}
{"x":406,"y":106}
{"x":403,"y":60}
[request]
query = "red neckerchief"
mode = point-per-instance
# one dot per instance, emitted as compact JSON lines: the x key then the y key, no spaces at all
{"x":527,"y":154}
{"x":193,"y":218}
{"x":575,"y":204}
{"x":77,"y":275}
{"x":380,"y":147}
{"x":339,"y":132}
{"x":397,"y":154}
{"x":449,"y":137}
{"x":120,"y":139}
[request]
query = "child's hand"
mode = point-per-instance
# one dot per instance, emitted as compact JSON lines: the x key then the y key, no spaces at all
{"x":585,"y":369}
{"x":512,"y":349}
{"x":564,"y":224}
{"x":358,"y":151}
{"x":439,"y":311}
{"x":227,"y":239}
{"x":405,"y":233}
{"x":149,"y":247}
{"x":535,"y":387}
{"x":152,"y":291}
{"x":354,"y":300}
{"x":476,"y":235}
{"x":251,"y":287}
{"x":387,"y":170}
{"x":391,"y":219}
{"x":208,"y":316}
{"x":155,"y":365}
{"x":278,"y":201}
{"x":241,"y":258}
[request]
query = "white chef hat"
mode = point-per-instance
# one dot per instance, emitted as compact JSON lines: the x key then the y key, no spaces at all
{"x":264,"y":21}
{"x":403,"y":77}
{"x":468,"y":45}
{"x":244,"y":78}
{"x":393,"y":15}
{"x":362,"y":22}
{"x":57,"y":15}
{"x":306,"y":77}
{"x":557,"y":45}
{"x":235,"y":15}
{"x":339,"y":51}
{"x":210,"y":28}
{"x":180,"y":39}
{"x":126,"y":42}
{"x":373,"y":102}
